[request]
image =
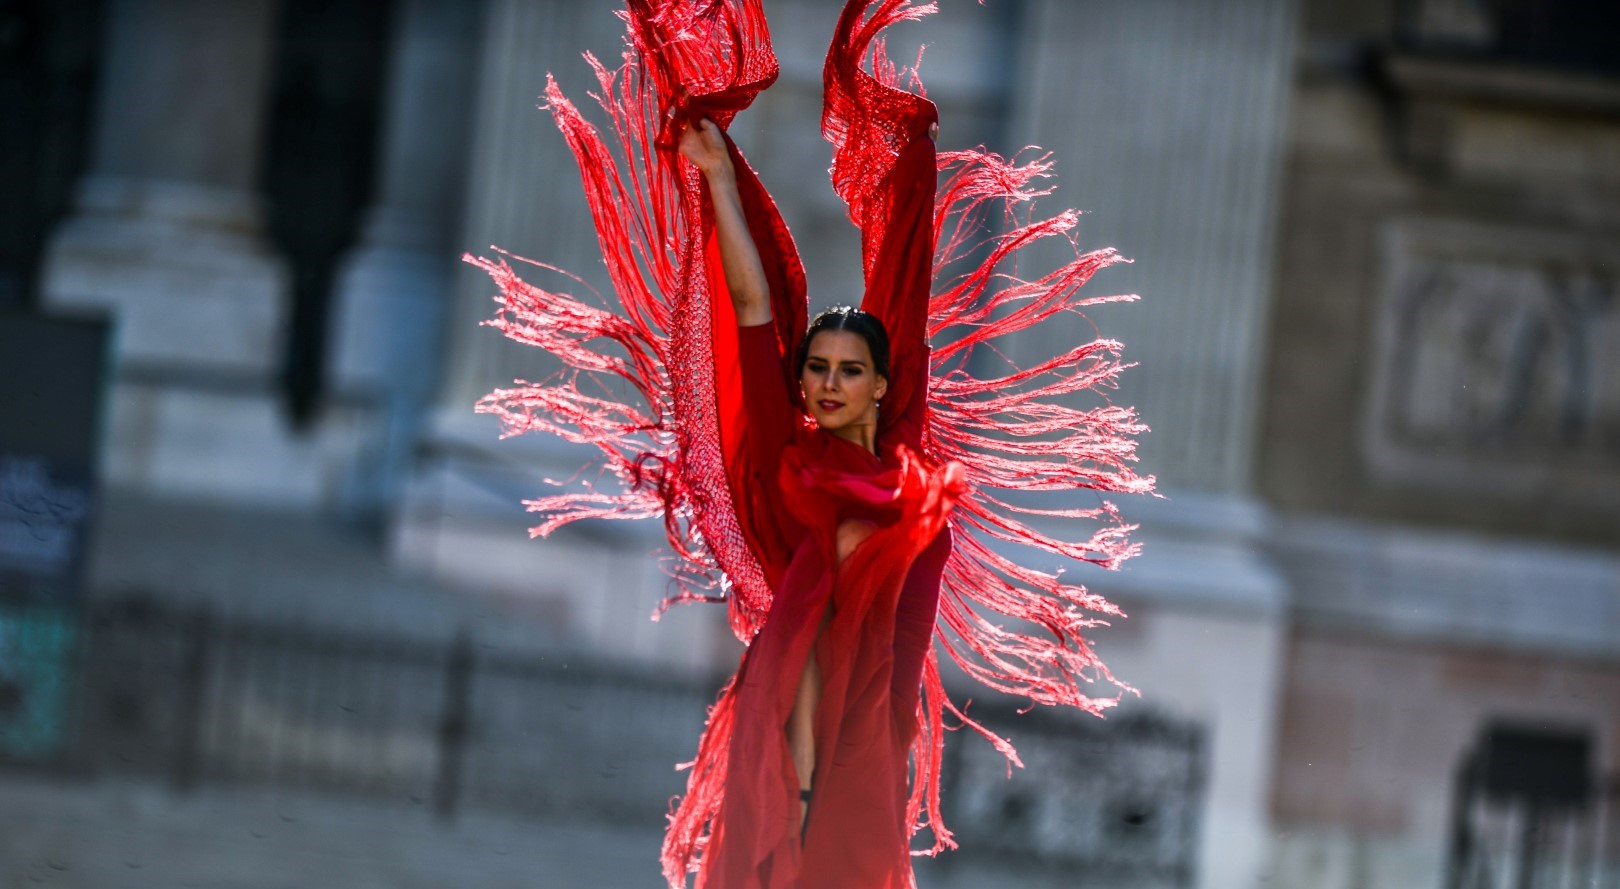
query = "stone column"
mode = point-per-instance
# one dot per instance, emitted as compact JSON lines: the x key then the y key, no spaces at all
{"x":393,"y":288}
{"x":1167,"y":118}
{"x":523,"y":190}
{"x":167,"y":233}
{"x":167,"y":238}
{"x":460,"y":515}
{"x":1167,"y":122}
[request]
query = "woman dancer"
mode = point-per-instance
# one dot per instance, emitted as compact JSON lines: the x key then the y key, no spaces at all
{"x":824,"y":706}
{"x":838,"y":535}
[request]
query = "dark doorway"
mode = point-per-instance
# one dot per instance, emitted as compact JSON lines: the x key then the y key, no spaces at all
{"x":325,"y":113}
{"x":49,"y":54}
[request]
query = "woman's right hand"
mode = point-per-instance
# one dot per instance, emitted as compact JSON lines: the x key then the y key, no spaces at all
{"x":705,"y":147}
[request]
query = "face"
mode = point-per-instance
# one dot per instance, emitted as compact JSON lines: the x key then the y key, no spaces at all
{"x":841,"y":387}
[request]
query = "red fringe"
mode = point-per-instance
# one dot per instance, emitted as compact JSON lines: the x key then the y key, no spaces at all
{"x":665,"y":455}
{"x":1013,"y":628}
{"x":1005,"y":429}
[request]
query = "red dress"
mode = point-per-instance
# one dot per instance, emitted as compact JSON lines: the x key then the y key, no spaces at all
{"x":791,"y":486}
{"x":880,"y":605}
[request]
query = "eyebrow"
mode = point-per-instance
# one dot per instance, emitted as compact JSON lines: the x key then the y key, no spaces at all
{"x":855,"y":361}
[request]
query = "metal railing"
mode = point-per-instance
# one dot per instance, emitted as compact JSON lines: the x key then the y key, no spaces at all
{"x":1529,"y":812}
{"x":1517,"y":846}
{"x":1114,"y":802}
{"x":182,"y":697}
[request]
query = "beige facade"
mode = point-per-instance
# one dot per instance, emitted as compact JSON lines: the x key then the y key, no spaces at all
{"x":1439,"y":431}
{"x":1379,"y":345}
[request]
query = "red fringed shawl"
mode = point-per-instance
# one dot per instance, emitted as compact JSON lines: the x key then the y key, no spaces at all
{"x":932,"y":275}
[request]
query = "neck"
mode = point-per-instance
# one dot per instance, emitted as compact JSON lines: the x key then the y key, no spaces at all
{"x":863,"y":433}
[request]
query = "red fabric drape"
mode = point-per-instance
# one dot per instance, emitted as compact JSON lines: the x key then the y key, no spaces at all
{"x":866,"y":623}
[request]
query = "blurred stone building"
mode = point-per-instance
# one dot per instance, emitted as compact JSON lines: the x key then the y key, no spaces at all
{"x":1379,"y":340}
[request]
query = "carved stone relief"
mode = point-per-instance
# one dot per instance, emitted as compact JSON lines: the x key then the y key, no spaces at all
{"x":1496,"y":362}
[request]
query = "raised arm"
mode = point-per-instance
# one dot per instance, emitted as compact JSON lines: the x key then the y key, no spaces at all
{"x":885,"y":169}
{"x":757,"y":414}
{"x":703,"y":145}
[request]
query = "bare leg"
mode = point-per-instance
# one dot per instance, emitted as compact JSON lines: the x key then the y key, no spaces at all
{"x":801,"y":727}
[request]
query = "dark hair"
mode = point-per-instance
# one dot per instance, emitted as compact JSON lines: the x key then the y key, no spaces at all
{"x":855,"y":321}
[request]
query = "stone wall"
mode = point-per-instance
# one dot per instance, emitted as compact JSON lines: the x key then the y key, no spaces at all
{"x":1447,"y":310}
{"x":1374,"y":732}
{"x":1438,"y":432}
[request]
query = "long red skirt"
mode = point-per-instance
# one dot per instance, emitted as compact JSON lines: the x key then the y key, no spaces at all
{"x":870,"y":654}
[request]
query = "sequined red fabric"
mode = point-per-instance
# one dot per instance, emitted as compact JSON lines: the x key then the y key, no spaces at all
{"x":941,"y":236}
